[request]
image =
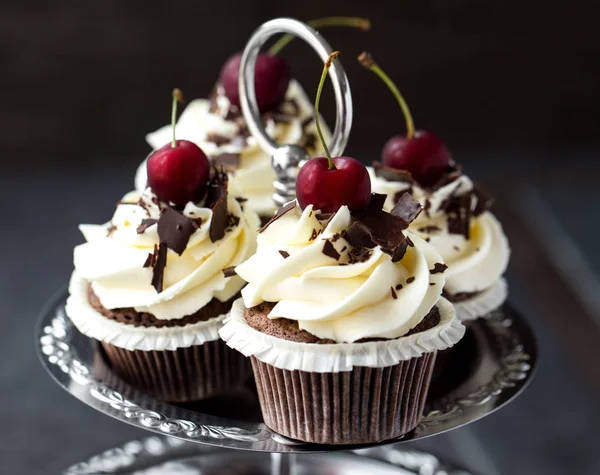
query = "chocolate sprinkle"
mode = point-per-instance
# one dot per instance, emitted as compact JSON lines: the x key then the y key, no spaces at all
{"x":407,"y":208}
{"x":438,"y":268}
{"x":432,"y":228}
{"x":229,"y":271}
{"x":410,"y":280}
{"x":146,"y":223}
{"x":111,"y":229}
{"x":160,"y":262}
{"x":399,"y":286}
{"x":394,"y":296}
{"x":330,"y":250}
{"x":175,"y":230}
{"x":358,"y":254}
{"x":280,"y":212}
{"x":284,"y":254}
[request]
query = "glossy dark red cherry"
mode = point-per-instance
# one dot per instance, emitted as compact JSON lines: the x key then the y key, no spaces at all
{"x":327,"y":190}
{"x":424,"y":155}
{"x":272,"y":76}
{"x":179,"y":173}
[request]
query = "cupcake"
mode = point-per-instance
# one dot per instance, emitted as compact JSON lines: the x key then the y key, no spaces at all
{"x":217,"y":126}
{"x":456,"y":217}
{"x":342,"y":318}
{"x":154,"y":284}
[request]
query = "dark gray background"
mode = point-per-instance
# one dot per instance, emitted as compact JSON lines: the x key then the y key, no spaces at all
{"x":511,"y":87}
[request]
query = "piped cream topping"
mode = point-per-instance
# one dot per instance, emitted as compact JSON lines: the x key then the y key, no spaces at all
{"x":114,"y":258}
{"x":331,"y":297}
{"x":474,"y":264}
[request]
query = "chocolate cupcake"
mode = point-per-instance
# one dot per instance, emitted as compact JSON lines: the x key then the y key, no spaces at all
{"x":342,"y":318}
{"x":153,"y":286}
{"x":457,"y":221}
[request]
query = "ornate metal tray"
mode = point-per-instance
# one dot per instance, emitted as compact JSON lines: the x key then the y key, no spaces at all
{"x":491,"y":365}
{"x":166,"y":455}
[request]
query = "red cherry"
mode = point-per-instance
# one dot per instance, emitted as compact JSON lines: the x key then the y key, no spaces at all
{"x":327,"y":190}
{"x":424,"y":155}
{"x":179,"y":173}
{"x":272,"y":76}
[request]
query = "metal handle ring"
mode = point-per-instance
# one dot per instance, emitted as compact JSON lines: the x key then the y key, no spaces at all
{"x":287,"y":158}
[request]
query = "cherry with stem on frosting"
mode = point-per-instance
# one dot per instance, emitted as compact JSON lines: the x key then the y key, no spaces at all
{"x":272,"y":74}
{"x":330,"y":183}
{"x":178,"y":172}
{"x":421,"y":153}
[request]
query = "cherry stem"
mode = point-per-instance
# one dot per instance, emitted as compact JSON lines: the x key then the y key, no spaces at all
{"x":326,"y":67}
{"x":177,"y":97}
{"x":356,"y":22}
{"x":368,"y":62}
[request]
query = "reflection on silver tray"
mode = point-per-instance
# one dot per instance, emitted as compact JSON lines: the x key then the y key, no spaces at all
{"x":166,"y":455}
{"x":487,"y":369}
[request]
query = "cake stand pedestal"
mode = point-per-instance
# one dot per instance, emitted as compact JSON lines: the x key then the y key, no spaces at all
{"x":489,"y":367}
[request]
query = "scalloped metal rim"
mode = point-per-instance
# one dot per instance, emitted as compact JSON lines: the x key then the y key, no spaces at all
{"x":506,"y":344}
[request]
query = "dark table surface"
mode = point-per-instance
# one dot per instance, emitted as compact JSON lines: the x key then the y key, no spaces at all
{"x":510,"y":85}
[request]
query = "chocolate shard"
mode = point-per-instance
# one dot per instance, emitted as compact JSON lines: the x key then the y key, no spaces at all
{"x":358,"y":235}
{"x":145,"y":224}
{"x":330,"y":250}
{"x":453,"y":173}
{"x":459,"y":215}
{"x":284,"y":254}
{"x":399,"y":251}
{"x":385,"y":229}
{"x":484,"y":201}
{"x":392,"y":174}
{"x":377,"y":201}
{"x":406,"y":208}
{"x":438,"y":268}
{"x":229,"y":271}
{"x":230,"y":161}
{"x":175,"y":230}
{"x":160,"y":262}
{"x":280,"y":212}
{"x":216,"y":200}
{"x":217,"y":139}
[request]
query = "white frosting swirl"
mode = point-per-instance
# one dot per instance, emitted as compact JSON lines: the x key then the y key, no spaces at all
{"x":254,"y":178}
{"x":475,"y":264}
{"x":344,"y":303}
{"x":114,"y":262}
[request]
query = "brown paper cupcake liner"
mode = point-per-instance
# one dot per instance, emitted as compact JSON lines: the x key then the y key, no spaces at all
{"x":186,"y":374}
{"x":364,"y":405}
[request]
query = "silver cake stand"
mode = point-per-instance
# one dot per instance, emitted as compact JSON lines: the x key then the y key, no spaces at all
{"x":489,"y":367}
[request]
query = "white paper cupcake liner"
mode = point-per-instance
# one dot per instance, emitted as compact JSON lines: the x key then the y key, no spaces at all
{"x":331,"y":358}
{"x":129,"y":337}
{"x":483,"y":303}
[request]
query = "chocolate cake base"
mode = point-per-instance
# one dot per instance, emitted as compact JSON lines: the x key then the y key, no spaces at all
{"x":365,"y":405}
{"x":183,"y":375}
{"x":186,"y":374}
